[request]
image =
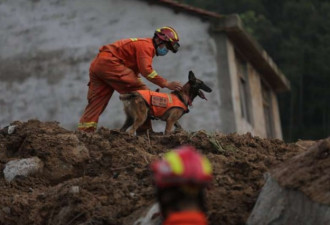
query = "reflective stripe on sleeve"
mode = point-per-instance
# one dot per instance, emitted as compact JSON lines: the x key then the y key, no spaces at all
{"x":87,"y":125}
{"x":133,"y":39}
{"x":153,"y":74}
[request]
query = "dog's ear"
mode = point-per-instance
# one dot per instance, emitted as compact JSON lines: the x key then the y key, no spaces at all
{"x":191,"y":77}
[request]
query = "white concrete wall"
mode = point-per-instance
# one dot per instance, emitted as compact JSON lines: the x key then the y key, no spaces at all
{"x":257,"y":104}
{"x":242,"y":125}
{"x":258,"y":126}
{"x":47,"y":46}
{"x":276,"y":116}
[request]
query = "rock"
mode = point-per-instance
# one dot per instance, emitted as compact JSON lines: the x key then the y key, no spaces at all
{"x":22,"y":167}
{"x":297,"y":191}
{"x":74,"y":190}
{"x":6,"y":210}
{"x":76,"y":151}
{"x":11,"y":129}
{"x":152,"y":217}
{"x":282,"y":206}
{"x":8,"y":129}
{"x":146,"y":216}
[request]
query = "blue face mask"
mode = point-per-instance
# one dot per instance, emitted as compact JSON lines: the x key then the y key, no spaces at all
{"x":162,"y":51}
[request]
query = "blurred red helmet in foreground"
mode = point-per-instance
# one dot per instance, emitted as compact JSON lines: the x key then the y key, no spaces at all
{"x":182,"y":166}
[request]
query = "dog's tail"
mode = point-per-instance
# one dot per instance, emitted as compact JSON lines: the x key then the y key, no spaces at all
{"x":129,"y":96}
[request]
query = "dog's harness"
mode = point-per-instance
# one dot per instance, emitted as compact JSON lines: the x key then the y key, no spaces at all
{"x":159,"y":103}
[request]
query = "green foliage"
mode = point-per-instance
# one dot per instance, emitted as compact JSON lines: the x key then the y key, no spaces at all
{"x":296,"y":33}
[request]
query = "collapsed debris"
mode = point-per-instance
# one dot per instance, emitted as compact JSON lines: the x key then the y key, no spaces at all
{"x":298,"y":191}
{"x":104,"y":178}
{"x":22,"y":167}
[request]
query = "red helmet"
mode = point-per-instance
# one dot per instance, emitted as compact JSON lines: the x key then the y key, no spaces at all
{"x":170,"y":37}
{"x":182,"y":166}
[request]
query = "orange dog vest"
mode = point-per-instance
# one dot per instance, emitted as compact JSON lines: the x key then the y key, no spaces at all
{"x":159,"y":103}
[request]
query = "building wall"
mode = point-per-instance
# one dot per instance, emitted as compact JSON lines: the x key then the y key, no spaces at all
{"x":257,"y":124}
{"x":257,"y":103}
{"x":242,"y":125}
{"x":226,"y":104}
{"x":47,"y":46}
{"x":276,"y":116}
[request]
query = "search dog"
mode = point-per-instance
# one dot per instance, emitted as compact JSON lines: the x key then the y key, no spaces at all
{"x":169,"y":107}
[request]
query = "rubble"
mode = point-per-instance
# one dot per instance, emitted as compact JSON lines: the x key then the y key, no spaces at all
{"x":22,"y":167}
{"x":104,"y":177}
{"x":298,"y":191}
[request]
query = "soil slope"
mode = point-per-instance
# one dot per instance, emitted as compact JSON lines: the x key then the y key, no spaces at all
{"x":104,"y":177}
{"x":297,"y":191}
{"x":308,"y":172}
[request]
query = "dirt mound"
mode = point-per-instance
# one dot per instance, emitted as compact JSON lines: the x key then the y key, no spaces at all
{"x":308,"y":172}
{"x":104,"y":177}
{"x":297,"y":191}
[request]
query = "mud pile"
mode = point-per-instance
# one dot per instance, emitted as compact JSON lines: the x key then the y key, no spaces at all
{"x":297,"y":191}
{"x":103,"y":178}
{"x":308,"y":172}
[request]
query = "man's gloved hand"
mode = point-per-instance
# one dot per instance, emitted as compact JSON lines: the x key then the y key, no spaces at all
{"x":174,"y":85}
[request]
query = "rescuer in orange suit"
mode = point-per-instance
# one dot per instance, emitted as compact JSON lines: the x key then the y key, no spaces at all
{"x":180,"y":179}
{"x":117,"y":68}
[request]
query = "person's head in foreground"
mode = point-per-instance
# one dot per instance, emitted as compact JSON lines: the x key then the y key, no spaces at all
{"x":180,"y":180}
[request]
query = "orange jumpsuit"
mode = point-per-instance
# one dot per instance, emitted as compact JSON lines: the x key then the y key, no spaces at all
{"x":186,"y":218}
{"x":117,"y":67}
